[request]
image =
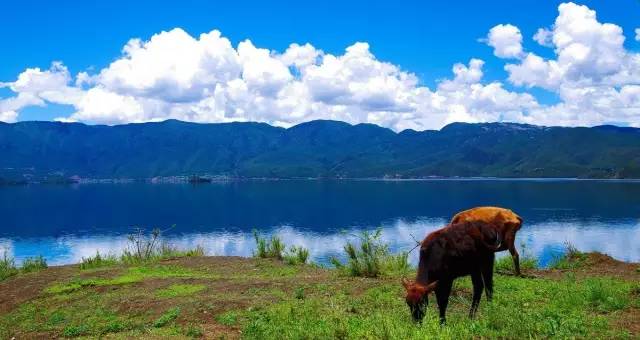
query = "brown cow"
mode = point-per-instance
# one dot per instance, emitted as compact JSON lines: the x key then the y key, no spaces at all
{"x":504,"y":221}
{"x":461,"y":249}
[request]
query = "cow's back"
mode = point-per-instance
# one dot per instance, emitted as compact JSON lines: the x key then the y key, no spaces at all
{"x":493,"y":215}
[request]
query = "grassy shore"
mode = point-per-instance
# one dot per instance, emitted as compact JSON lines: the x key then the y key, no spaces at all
{"x":587,"y":296}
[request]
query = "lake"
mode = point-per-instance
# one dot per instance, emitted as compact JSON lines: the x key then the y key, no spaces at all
{"x":66,"y":223}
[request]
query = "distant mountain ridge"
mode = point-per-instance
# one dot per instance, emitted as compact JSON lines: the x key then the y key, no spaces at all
{"x":316,"y":149}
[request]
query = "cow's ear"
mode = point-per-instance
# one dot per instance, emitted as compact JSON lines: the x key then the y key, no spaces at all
{"x":432,"y":286}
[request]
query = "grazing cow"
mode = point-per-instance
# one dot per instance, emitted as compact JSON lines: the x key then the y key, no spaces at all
{"x":504,"y":221}
{"x":461,"y":249}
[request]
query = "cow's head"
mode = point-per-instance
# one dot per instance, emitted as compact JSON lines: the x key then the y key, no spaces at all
{"x":417,"y":297}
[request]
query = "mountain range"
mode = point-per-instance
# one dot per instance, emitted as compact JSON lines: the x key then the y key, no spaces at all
{"x":316,"y":149}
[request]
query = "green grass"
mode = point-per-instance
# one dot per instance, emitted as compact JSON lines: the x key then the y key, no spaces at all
{"x":522,"y":308}
{"x":269,"y":299}
{"x":7,"y":267}
{"x":32,"y":264}
{"x":175,"y":290}
{"x":371,"y":258}
{"x":167,"y":317}
{"x":98,"y":261}
{"x":133,"y":275}
{"x":273,"y":248}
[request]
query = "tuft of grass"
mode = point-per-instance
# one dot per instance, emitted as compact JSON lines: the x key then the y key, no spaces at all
{"x":32,"y":264}
{"x":268,"y":249}
{"x":98,"y":261}
{"x":193,"y":331}
{"x":74,"y":331}
{"x":229,"y":318}
{"x":527,"y":261}
{"x":371,"y":257}
{"x":296,"y":255}
{"x":143,"y":248}
{"x":7,"y":267}
{"x":572,"y":258}
{"x":299,"y":293}
{"x":176,"y":290}
{"x":167,"y":317}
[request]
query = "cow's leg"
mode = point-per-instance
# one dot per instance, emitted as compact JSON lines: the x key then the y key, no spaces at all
{"x":478,"y":286}
{"x":510,"y":239}
{"x":442,"y":296}
{"x":487,"y":276}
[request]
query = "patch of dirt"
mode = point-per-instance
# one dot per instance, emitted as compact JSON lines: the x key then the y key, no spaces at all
{"x":218,"y":331}
{"x":596,"y":264}
{"x":25,"y":287}
{"x":629,"y":319}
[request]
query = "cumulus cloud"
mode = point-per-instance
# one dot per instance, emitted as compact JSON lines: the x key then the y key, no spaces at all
{"x":506,"y":41}
{"x":207,"y":79}
{"x":592,"y":73}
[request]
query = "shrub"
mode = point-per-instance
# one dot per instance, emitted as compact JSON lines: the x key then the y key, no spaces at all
{"x":273,"y":248}
{"x":98,"y":261}
{"x":32,"y":264}
{"x":7,"y":266}
{"x":296,"y":255}
{"x":144,"y":248}
{"x":371,"y":257}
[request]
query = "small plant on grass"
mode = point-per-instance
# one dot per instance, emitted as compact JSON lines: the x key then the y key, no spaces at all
{"x":371,"y":257}
{"x":7,"y":266}
{"x":98,"y":261}
{"x":268,"y":249}
{"x":296,"y":255}
{"x":32,"y":264}
{"x":167,"y":317}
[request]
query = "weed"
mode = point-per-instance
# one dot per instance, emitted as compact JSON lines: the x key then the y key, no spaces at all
{"x":7,"y":266}
{"x":228,"y":319}
{"x":193,"y":331}
{"x":371,"y":257}
{"x":273,"y":248}
{"x":299,"y":293}
{"x":32,"y":264}
{"x":167,"y":317}
{"x":98,"y":261}
{"x":570,"y":259}
{"x":74,"y":331}
{"x":527,"y":261}
{"x":296,"y":255}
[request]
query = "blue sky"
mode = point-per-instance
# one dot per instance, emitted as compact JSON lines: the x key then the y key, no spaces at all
{"x":424,"y":38}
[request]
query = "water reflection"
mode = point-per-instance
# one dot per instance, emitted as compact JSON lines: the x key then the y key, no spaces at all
{"x":543,"y":240}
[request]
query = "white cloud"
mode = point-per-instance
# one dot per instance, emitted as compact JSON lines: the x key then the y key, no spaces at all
{"x":543,"y":37}
{"x":637,"y":34}
{"x":206,"y":79}
{"x":8,"y":116}
{"x":506,"y":41}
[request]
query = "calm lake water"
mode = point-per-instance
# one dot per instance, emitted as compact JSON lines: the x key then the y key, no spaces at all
{"x":65,"y":223}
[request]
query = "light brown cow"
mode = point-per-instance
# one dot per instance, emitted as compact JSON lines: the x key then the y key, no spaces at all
{"x":505,"y":222}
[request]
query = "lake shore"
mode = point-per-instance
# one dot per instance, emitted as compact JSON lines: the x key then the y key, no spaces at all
{"x":590,"y":296}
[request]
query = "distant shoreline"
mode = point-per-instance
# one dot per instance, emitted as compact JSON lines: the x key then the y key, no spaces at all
{"x":212,"y":180}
